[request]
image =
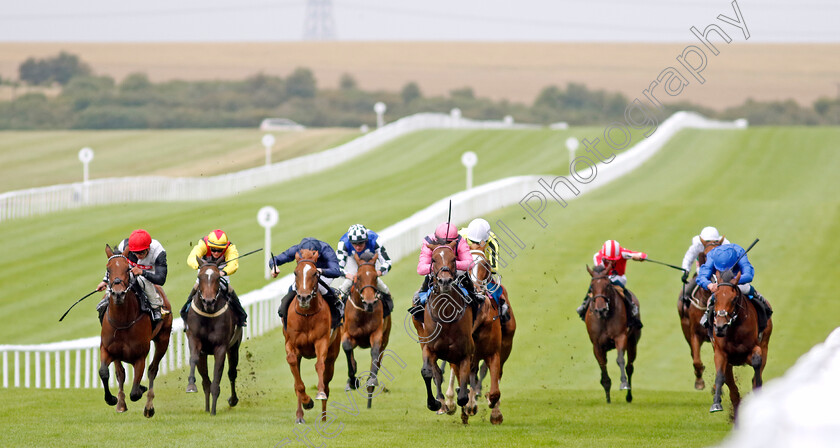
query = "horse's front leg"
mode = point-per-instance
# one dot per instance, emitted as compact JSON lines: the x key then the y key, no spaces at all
{"x":734,"y":393}
{"x":321,"y":348}
{"x":428,"y":373}
{"x":347,"y":344}
{"x":205,"y":380}
{"x":720,"y":365}
{"x":495,"y":362}
{"x":233,"y":355}
{"x":621,"y":348}
{"x":220,"y":354}
{"x":195,"y":352}
{"x":699,"y":368}
{"x":137,"y":389}
{"x":464,"y":374}
{"x":105,"y":375}
{"x":119,"y":370}
{"x":303,"y":400}
{"x":375,"y":352}
{"x":161,"y":344}
{"x":450,"y":391}
{"x":601,"y":357}
{"x":757,"y":363}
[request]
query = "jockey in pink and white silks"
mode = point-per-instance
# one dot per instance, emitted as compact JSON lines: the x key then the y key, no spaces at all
{"x":445,"y":233}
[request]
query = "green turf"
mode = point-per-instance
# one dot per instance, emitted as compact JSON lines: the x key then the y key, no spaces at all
{"x":771,"y":183}
{"x":40,"y":158}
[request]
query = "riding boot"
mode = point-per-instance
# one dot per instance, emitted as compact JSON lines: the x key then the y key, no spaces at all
{"x":633,"y":308}
{"x":387,"y":305}
{"x":708,"y":317}
{"x":284,"y":306}
{"x":336,"y":307}
{"x":581,"y":310}
{"x":241,"y":315}
{"x":156,"y":316}
{"x":102,"y":307}
{"x":186,"y":308}
{"x":504,"y":316}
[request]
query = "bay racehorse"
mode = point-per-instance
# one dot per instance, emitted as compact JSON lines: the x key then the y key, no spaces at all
{"x":736,"y":339}
{"x":364,"y":324}
{"x":484,"y":336}
{"x":212,"y":329}
{"x":606,"y":323}
{"x":447,"y":329}
{"x":308,"y":334}
{"x":691,"y":310}
{"x":127,"y":332}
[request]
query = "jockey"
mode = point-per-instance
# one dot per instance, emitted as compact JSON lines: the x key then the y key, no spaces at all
{"x":479,"y":237}
{"x":612,"y":251}
{"x":147,"y":259}
{"x":445,"y":233}
{"x":708,"y":234}
{"x":732,"y":257}
{"x":359,"y":240}
{"x":216,"y":248}
{"x":327,"y":265}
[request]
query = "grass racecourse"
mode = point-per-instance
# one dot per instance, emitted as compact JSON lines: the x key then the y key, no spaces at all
{"x":777,"y":184}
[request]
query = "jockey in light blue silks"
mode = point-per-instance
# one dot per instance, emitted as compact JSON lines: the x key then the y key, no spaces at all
{"x":734,"y":257}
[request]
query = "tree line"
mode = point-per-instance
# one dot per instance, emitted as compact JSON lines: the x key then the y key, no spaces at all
{"x":90,"y":101}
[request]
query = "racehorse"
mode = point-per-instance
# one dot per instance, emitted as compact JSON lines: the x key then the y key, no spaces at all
{"x":364,"y":325}
{"x":606,"y":323}
{"x":691,"y":312}
{"x":736,"y":339}
{"x":308,"y":334}
{"x":212,"y":329}
{"x":127,"y":332}
{"x":447,"y":323}
{"x":482,"y":276}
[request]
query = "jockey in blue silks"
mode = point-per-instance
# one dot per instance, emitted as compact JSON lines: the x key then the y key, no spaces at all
{"x":734,"y":257}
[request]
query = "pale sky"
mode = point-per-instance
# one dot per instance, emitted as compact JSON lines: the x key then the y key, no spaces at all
{"x":400,"y":20}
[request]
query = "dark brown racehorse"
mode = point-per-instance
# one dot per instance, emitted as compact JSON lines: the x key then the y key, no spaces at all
{"x":484,"y":336}
{"x":736,"y":340}
{"x":212,"y":329}
{"x":364,"y":325}
{"x":690,"y":314}
{"x":127,"y":333}
{"x":606,"y":323}
{"x":447,"y":328}
{"x":308,"y":334}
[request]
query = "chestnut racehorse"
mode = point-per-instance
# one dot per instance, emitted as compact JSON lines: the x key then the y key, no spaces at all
{"x":308,"y":334}
{"x":447,"y":329}
{"x":212,"y":329}
{"x":691,"y":312}
{"x":484,"y":336}
{"x":127,"y":332}
{"x":606,"y":323}
{"x":364,"y":325}
{"x":736,"y":340}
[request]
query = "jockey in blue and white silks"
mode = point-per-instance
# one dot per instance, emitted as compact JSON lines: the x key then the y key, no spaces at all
{"x":358,"y":240}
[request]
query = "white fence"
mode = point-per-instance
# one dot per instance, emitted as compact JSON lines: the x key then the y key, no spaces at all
{"x":38,"y":201}
{"x":799,"y":409}
{"x":74,"y":363}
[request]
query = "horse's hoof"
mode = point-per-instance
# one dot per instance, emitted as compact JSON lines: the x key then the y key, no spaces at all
{"x":149,"y":412}
{"x":122,"y":408}
{"x":300,"y":421}
{"x":351,"y":384}
{"x":463,"y":401}
{"x":451,"y":409}
{"x":233,"y":401}
{"x":496,"y":419}
{"x":465,"y":419}
{"x":433,"y":405}
{"x":700,"y":384}
{"x":112,"y":400}
{"x":191,"y":388}
{"x":372,"y":382}
{"x":629,"y":397}
{"x":320,"y":396}
{"x":135,"y":397}
{"x":309,"y":405}
{"x":716,"y":408}
{"x":624,"y":386}
{"x":442,"y":410}
{"x":472,"y":410}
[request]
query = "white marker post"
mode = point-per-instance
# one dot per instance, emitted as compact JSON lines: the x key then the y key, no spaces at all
{"x":455,"y":113}
{"x":572,"y":145}
{"x":380,"y":109}
{"x":85,"y":156}
{"x":268,"y":141}
{"x":469,"y":159}
{"x":267,"y":217}
{"x":508,"y":120}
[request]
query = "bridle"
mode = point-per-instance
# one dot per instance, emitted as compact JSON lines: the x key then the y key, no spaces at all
{"x":435,"y":274}
{"x":606,"y":298}
{"x":313,"y":294}
{"x":203,"y":303}
{"x":132,"y":279}
{"x":737,"y":302}
{"x":361,"y":289}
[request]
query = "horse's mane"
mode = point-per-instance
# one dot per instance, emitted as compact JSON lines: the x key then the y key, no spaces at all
{"x":726,"y":276}
{"x":367,"y":256}
{"x":599,"y":269}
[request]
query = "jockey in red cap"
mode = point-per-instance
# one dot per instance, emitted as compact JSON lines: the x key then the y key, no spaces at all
{"x":612,"y":252}
{"x":147,"y":259}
